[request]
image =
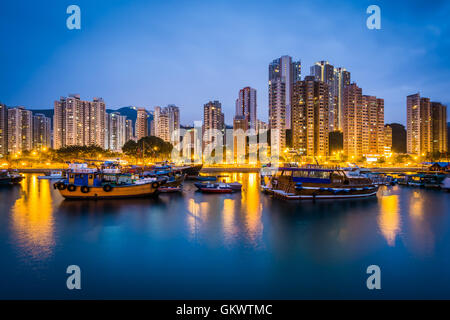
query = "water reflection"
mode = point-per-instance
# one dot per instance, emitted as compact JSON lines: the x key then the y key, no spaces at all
{"x":422,"y":236}
{"x":233,"y":218}
{"x":389,"y":218}
{"x":32,"y":219}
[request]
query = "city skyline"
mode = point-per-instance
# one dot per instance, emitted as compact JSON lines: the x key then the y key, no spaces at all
{"x":380,"y":62}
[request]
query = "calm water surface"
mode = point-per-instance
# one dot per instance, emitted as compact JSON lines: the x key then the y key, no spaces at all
{"x":223,"y":246}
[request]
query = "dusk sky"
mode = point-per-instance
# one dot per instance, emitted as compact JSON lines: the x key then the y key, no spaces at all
{"x":150,"y":53}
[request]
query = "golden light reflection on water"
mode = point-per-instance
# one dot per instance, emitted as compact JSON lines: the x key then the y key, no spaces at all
{"x":422,"y":236}
{"x":239,"y":213}
{"x":253,"y":208}
{"x":198,"y":214}
{"x":32,"y":219}
{"x":389,"y":218}
{"x":230,"y":229}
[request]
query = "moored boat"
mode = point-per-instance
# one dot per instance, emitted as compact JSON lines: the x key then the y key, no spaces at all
{"x":295,"y":183}
{"x":10,"y":177}
{"x":54,"y":174}
{"x":215,"y":188}
{"x":98,"y":185}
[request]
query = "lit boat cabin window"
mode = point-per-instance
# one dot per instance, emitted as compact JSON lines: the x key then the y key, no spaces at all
{"x":312,"y":174}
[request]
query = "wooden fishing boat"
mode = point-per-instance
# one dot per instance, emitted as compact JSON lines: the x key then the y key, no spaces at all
{"x":173,"y":183}
{"x":10,"y":177}
{"x":93,"y":185}
{"x":319,"y":183}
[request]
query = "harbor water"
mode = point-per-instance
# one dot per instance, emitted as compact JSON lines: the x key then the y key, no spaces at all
{"x":234,"y":246}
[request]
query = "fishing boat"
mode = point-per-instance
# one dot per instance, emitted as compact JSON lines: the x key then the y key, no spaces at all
{"x":215,"y":188}
{"x":315,"y":182}
{"x":86,"y":183}
{"x":54,"y":174}
{"x":5,"y":178}
{"x":173,"y":183}
{"x":10,"y":177}
{"x":235,"y":186}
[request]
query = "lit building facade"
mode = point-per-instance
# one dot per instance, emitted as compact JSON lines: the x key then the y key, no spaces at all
{"x":363,"y":123}
{"x":3,"y":130}
{"x":373,"y":125}
{"x":141,"y":123}
{"x":246,"y":106}
{"x":41,"y":132}
{"x":129,"y":130}
{"x":240,"y":147}
{"x":283,"y":73}
{"x":387,"y":139}
{"x":166,"y":123}
{"x":213,"y":119}
{"x":336,"y":79}
{"x":116,"y":128}
{"x":78,"y":122}
{"x":426,"y":129}
{"x":310,"y":112}
{"x":439,"y":127}
{"x":20,"y":130}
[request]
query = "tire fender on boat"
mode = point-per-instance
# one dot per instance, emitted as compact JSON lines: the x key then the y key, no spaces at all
{"x":61,"y":186}
{"x":85,"y":189}
{"x":155,"y":185}
{"x":107,"y":188}
{"x":71,"y":187}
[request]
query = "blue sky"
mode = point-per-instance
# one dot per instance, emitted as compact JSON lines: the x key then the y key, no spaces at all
{"x":149,"y":53}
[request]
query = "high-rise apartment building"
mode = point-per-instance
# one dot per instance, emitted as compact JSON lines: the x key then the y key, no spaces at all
{"x":261,"y":126}
{"x":20,"y":133}
{"x":336,"y":79}
{"x":363,"y":123}
{"x":141,"y":130}
{"x":213,"y":119}
{"x":3,"y":130}
{"x":128,"y":130}
{"x":166,"y":123}
{"x":439,"y":127}
{"x":373,"y":125}
{"x":78,"y":122}
{"x":41,"y":132}
{"x":310,"y":103}
{"x":240,"y":147}
{"x":246,"y":106}
{"x":116,"y":128}
{"x":426,"y":125}
{"x":387,"y":139}
{"x":341,"y":81}
{"x":283,"y":73}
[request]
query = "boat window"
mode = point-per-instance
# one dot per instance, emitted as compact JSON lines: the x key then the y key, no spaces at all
{"x":319,"y":174}
{"x":301,"y":174}
{"x":287,"y":173}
